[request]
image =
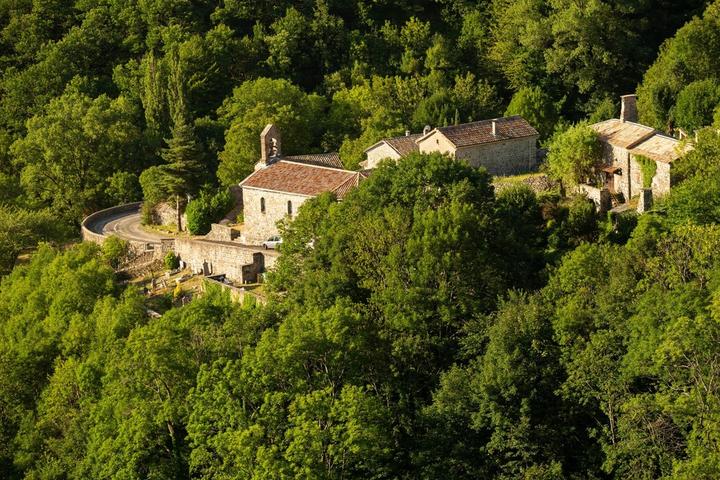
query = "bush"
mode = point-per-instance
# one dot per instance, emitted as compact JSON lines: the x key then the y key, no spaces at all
{"x":573,"y":154}
{"x":172,"y":261}
{"x":581,"y":224}
{"x":537,"y":107}
{"x":205,"y":209}
{"x":115,"y":250}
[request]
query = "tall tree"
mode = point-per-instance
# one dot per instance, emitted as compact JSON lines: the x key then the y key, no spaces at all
{"x":182,"y":172}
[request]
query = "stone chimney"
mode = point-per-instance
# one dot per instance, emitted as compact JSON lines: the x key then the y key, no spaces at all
{"x":407,"y":133}
{"x":427,"y":129}
{"x":494,"y":128}
{"x":269,"y":146}
{"x":628,"y":108}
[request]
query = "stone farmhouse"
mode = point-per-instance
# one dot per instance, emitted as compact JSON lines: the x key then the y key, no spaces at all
{"x":504,"y":146}
{"x":624,"y":141}
{"x":280,"y":184}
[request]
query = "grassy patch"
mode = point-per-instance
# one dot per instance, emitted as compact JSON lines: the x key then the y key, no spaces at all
{"x":517,"y":178}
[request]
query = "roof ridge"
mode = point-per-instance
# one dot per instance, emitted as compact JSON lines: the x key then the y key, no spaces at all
{"x":309,"y":154}
{"x":314,"y":166}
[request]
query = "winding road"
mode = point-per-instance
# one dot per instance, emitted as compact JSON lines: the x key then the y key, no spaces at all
{"x":127,"y":226}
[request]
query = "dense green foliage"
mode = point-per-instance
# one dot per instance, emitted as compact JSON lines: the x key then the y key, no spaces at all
{"x":680,"y":87}
{"x":573,"y":154}
{"x":413,"y":331}
{"x":209,"y":207}
{"x":171,"y":261}
{"x":424,"y":327}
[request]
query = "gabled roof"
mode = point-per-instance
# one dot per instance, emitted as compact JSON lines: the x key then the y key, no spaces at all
{"x":640,"y":140}
{"x":478,"y":133}
{"x":320,"y":159}
{"x":623,"y":134}
{"x":302,"y":179}
{"x":660,"y":148}
{"x":403,"y":145}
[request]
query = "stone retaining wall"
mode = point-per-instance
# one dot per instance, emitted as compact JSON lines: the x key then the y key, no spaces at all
{"x":239,"y":263}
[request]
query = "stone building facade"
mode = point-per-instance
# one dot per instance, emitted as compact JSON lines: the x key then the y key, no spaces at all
{"x":507,"y":157}
{"x":263,"y":209}
{"x":391,"y":148}
{"x":281,"y":184}
{"x":624,"y":142}
{"x":504,"y":146}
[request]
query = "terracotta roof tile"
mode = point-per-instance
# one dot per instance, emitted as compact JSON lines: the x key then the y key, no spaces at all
{"x":299,"y":178}
{"x":331,"y":160}
{"x":477,"y":133}
{"x":349,"y":185}
{"x":405,"y":144}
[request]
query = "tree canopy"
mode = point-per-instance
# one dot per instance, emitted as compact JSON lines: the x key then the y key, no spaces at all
{"x":432,"y":324}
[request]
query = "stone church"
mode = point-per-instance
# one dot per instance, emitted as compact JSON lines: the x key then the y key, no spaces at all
{"x":281,"y":184}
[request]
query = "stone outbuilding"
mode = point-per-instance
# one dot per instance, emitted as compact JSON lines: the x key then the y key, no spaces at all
{"x":625,"y":143}
{"x":504,"y":146}
{"x":281,"y":184}
{"x":393,"y":148}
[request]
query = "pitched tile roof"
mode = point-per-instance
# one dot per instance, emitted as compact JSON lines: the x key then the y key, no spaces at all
{"x":302,"y":179}
{"x":640,"y":140}
{"x":321,"y":159}
{"x":660,"y":148}
{"x":623,"y":134}
{"x":477,"y":133}
{"x":405,"y":144}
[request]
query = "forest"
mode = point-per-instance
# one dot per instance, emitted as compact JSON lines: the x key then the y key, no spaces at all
{"x":427,"y":326}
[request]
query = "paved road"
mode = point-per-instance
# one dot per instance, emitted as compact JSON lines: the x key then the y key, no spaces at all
{"x":127,"y":226}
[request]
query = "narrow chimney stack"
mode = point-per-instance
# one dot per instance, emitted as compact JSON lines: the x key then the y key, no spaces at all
{"x":407,"y":133}
{"x":427,"y":129}
{"x":628,"y":108}
{"x":494,"y":128}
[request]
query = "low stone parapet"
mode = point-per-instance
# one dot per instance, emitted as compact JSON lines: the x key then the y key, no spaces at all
{"x":88,"y":227}
{"x":238,"y":262}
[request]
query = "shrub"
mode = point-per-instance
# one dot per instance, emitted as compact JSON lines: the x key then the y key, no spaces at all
{"x":573,"y":154}
{"x":205,"y":209}
{"x":115,"y":250}
{"x":172,"y":261}
{"x":537,"y":107}
{"x":581,"y":224}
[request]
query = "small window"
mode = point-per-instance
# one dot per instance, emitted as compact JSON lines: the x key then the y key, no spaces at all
{"x":289,"y":207}
{"x":262,"y":204}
